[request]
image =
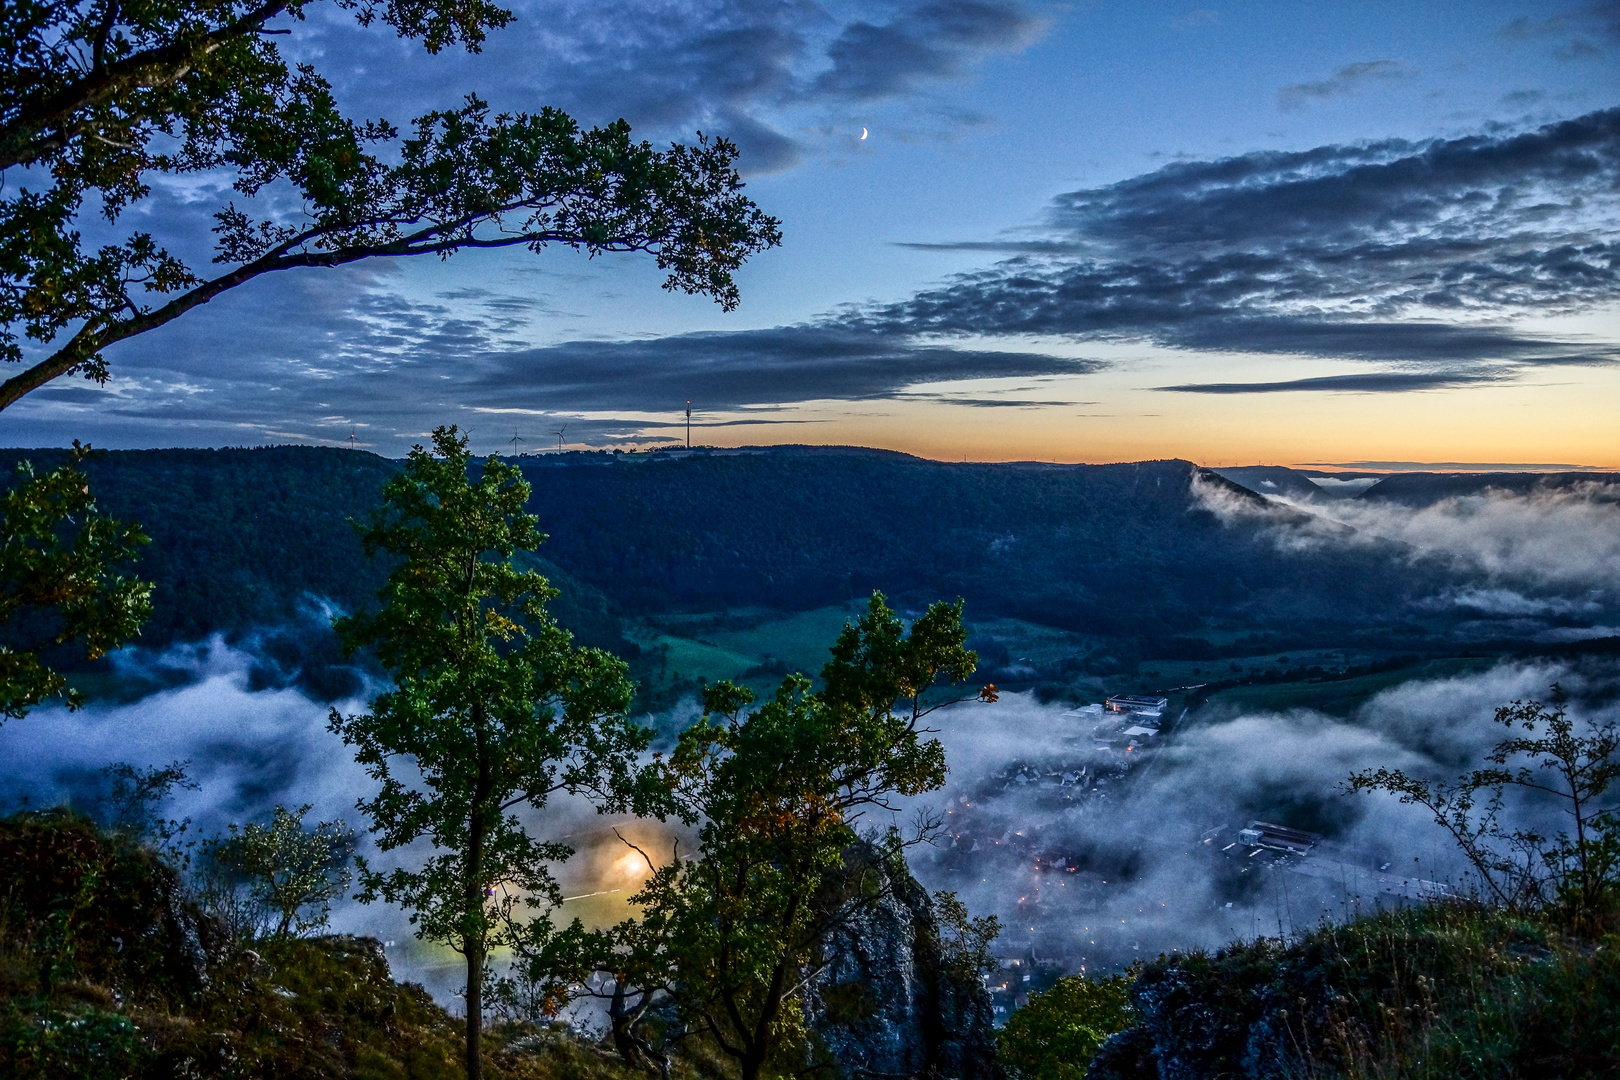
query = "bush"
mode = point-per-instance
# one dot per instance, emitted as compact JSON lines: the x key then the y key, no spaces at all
{"x":278,"y":879}
{"x":1056,"y":1034}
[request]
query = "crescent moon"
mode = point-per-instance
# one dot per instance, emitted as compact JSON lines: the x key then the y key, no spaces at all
{"x":863,"y":133}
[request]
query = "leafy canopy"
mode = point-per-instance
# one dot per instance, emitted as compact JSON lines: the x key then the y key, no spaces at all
{"x":1056,"y":1035}
{"x":98,"y":96}
{"x":131,"y":801}
{"x":733,"y":933}
{"x":289,"y":872}
{"x":492,"y":708}
{"x":58,"y":581}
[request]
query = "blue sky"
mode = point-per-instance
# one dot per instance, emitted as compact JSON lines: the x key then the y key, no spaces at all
{"x":1258,"y":230}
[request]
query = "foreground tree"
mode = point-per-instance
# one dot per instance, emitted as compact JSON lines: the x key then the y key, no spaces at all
{"x":280,"y":878}
{"x":1573,"y":765}
{"x":733,"y":934}
{"x":492,"y":709}
{"x":98,"y":96}
{"x":59,"y":582}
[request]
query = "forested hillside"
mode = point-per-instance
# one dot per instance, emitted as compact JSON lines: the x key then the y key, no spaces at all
{"x":1115,"y":550}
{"x":1128,"y":553}
{"x":1424,"y":489}
{"x":246,"y":538}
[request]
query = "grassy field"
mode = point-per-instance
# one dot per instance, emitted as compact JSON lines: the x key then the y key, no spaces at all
{"x":758,"y":648}
{"x":798,"y":641}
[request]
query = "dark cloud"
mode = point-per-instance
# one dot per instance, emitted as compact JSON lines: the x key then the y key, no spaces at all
{"x":750,"y":367}
{"x":1601,"y":18}
{"x":1370,"y":382}
{"x":1519,"y":99}
{"x":994,"y":403}
{"x":729,"y":67}
{"x":934,"y":40}
{"x":1341,"y":251}
{"x":1342,"y":83}
{"x":320,"y":354}
{"x":1577,"y":33}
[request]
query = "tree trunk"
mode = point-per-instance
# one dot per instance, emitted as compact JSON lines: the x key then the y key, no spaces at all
{"x":475,"y":1011}
{"x":623,"y":1041}
{"x":473,"y":943}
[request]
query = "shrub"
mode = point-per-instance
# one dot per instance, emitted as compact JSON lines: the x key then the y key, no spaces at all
{"x":1055,"y":1036}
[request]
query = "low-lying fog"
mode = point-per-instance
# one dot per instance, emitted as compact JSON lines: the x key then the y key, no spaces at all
{"x":1083,"y":862}
{"x":1097,"y":867}
{"x":1549,"y":553}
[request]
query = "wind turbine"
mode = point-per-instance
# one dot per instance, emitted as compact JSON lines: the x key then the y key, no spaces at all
{"x":354,"y":440}
{"x":559,"y":434}
{"x":516,"y":438}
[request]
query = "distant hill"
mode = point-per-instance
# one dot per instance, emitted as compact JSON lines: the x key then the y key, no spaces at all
{"x":1425,"y":489}
{"x":1115,"y":550}
{"x":1276,"y":480}
{"x":1300,"y":485}
{"x":1412,"y":489}
{"x":1127,"y":552}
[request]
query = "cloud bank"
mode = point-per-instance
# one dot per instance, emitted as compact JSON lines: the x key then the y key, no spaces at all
{"x":1553,"y":536}
{"x":1393,"y":252}
{"x":1080,"y":858}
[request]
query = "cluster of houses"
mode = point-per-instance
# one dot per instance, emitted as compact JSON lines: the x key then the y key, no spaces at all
{"x":1124,"y":722}
{"x":1020,"y":972}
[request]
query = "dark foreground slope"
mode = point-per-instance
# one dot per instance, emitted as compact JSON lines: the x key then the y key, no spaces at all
{"x":109,"y":972}
{"x":1427,"y":993}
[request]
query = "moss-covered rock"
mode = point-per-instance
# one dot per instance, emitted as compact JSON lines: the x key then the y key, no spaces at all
{"x":85,"y":906}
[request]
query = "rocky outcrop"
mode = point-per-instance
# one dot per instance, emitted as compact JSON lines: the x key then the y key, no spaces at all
{"x":84,"y":898}
{"x":1197,"y":1024}
{"x":894,"y":999}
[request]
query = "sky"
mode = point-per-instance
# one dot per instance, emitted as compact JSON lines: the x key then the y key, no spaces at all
{"x":1258,"y":231}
